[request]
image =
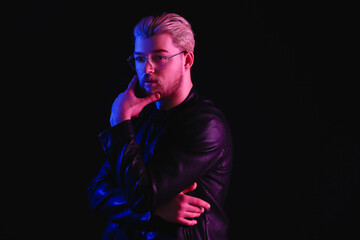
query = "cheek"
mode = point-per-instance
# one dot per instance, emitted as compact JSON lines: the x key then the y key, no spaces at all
{"x":173,"y":70}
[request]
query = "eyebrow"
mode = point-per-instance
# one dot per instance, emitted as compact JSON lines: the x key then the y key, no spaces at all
{"x":155,"y":51}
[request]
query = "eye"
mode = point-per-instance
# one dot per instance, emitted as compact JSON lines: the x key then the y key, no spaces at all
{"x":140,"y":59}
{"x":157,"y":58}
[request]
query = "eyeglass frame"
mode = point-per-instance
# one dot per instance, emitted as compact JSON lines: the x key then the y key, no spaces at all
{"x":149,"y":58}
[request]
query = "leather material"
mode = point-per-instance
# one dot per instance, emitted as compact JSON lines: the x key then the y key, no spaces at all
{"x":152,"y":159}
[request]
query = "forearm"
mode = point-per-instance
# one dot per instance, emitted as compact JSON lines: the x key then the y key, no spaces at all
{"x":149,"y":185}
{"x":122,"y":150}
{"x":107,"y":199}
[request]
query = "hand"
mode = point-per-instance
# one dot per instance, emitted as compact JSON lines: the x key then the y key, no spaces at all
{"x":127,"y":105}
{"x":183,"y":208}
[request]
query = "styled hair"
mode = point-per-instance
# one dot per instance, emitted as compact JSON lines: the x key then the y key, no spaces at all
{"x":175,"y":25}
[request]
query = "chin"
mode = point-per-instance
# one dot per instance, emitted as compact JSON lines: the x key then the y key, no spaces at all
{"x":151,"y":90}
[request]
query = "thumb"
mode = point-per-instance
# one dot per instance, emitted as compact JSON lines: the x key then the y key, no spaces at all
{"x":191,"y":188}
{"x":133,"y":82}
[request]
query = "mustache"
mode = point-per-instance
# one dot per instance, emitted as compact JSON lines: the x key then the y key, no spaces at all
{"x":148,"y":77}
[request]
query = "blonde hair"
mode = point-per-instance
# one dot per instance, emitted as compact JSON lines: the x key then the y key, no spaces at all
{"x":175,"y":25}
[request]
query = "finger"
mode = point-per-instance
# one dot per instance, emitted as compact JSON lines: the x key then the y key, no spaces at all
{"x":193,"y":209}
{"x":191,"y":188}
{"x":187,"y":222}
{"x":149,"y":99}
{"x":190,"y":215}
{"x":132,"y":83}
{"x":197,"y":202}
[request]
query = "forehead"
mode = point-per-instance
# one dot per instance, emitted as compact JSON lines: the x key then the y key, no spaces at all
{"x":147,"y":45}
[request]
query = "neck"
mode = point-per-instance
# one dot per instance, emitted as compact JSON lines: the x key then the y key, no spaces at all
{"x":177,"y":98}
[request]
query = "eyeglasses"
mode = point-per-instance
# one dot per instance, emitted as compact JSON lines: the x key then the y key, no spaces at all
{"x":138,"y":62}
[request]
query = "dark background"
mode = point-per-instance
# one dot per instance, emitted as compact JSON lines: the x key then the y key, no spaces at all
{"x":274,"y":68}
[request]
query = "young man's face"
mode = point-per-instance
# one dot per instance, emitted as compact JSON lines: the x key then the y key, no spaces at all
{"x":164,"y":80}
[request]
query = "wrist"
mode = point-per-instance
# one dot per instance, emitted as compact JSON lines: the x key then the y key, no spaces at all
{"x":124,"y":117}
{"x":115,"y":120}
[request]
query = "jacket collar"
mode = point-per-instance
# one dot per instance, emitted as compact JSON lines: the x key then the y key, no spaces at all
{"x":190,"y":97}
{"x":160,"y":114}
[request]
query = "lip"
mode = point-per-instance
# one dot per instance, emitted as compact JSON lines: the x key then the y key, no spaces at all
{"x":150,"y":82}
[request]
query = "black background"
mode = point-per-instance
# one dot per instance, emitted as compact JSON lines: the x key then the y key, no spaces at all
{"x":274,"y":68}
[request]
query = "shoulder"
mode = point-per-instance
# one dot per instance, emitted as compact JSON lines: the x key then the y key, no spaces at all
{"x":205,"y":111}
{"x":201,"y":120}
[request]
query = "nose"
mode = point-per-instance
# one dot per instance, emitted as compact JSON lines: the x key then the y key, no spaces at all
{"x":149,"y":68}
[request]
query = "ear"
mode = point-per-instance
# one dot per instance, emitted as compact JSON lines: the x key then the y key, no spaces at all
{"x":189,"y":59}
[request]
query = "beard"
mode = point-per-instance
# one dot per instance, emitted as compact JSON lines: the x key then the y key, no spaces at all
{"x":171,"y":88}
{"x":167,"y":88}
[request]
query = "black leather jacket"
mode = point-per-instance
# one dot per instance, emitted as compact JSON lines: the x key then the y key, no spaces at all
{"x":150,"y":160}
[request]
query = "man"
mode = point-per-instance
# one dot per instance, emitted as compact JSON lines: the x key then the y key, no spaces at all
{"x":168,"y":150}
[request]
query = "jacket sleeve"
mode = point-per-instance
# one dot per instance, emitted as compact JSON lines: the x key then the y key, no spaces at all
{"x":186,"y":158}
{"x":106,"y":198}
